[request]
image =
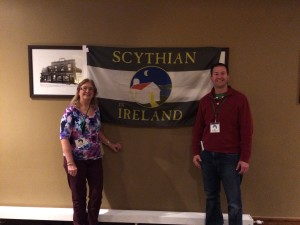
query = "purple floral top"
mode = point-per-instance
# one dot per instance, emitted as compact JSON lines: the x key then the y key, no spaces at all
{"x":82,"y":132}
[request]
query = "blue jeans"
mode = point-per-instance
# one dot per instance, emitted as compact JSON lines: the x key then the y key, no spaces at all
{"x":217,"y":168}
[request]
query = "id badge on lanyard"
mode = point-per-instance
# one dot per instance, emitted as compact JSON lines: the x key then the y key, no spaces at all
{"x":215,"y":127}
{"x":81,"y":142}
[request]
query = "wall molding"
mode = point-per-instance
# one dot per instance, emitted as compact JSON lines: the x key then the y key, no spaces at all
{"x":277,"y":220}
{"x":111,"y":215}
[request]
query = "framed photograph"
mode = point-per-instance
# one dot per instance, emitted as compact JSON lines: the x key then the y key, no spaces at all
{"x":55,"y":71}
{"x":299,"y":77}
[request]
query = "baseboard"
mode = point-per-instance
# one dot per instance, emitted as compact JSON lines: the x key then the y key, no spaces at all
{"x":112,"y":215}
{"x":276,"y":220}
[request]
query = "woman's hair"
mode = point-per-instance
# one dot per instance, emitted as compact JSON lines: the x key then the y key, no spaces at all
{"x":75,"y":99}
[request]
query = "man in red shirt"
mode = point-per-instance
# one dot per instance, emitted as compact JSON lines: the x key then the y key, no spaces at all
{"x":222,"y":142}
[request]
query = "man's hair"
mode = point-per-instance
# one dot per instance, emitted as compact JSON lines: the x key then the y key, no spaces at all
{"x":219,"y":64}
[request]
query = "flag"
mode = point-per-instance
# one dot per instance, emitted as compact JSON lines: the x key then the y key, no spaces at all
{"x":151,"y":87}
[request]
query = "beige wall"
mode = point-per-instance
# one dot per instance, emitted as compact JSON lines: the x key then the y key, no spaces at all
{"x":154,"y":171}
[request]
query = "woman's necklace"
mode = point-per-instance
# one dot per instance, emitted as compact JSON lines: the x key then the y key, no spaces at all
{"x":84,"y":119}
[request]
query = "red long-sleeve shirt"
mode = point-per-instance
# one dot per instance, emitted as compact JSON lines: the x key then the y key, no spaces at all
{"x":236,"y":125}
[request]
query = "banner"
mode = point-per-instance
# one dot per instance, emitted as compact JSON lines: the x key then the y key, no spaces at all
{"x":151,"y":87}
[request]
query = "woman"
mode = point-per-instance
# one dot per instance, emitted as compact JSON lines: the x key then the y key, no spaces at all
{"x":80,"y":137}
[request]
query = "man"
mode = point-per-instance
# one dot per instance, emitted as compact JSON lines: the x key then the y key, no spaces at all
{"x":222,"y":141}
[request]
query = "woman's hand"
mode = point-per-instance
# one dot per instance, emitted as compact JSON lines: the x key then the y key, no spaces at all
{"x":116,"y":147}
{"x":72,"y":169}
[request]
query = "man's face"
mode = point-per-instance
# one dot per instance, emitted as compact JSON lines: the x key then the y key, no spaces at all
{"x":219,"y":77}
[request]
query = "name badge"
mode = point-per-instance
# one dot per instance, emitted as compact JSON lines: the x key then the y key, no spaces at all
{"x":81,"y":142}
{"x":215,"y":128}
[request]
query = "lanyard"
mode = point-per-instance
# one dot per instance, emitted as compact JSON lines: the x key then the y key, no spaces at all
{"x":83,"y":123}
{"x":217,"y":110}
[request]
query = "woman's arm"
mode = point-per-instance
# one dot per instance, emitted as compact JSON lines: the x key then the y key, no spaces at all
{"x":116,"y":147}
{"x":67,"y":151}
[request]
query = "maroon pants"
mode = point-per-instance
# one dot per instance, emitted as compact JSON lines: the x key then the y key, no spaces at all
{"x":88,"y":172}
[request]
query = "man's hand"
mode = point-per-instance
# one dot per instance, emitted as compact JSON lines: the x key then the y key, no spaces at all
{"x":242,"y":167}
{"x":197,"y":161}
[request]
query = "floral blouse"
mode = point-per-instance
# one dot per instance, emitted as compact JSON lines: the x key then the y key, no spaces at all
{"x":83,"y":133}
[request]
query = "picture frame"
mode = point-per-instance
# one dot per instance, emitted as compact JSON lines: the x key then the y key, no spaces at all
{"x":55,"y":71}
{"x":299,"y":78}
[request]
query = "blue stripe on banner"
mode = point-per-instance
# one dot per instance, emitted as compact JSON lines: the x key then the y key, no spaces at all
{"x":156,"y":87}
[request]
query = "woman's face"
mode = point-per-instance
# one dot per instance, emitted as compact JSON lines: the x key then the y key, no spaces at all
{"x":87,"y":91}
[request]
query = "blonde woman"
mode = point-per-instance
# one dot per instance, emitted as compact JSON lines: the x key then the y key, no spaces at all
{"x":81,"y":138}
